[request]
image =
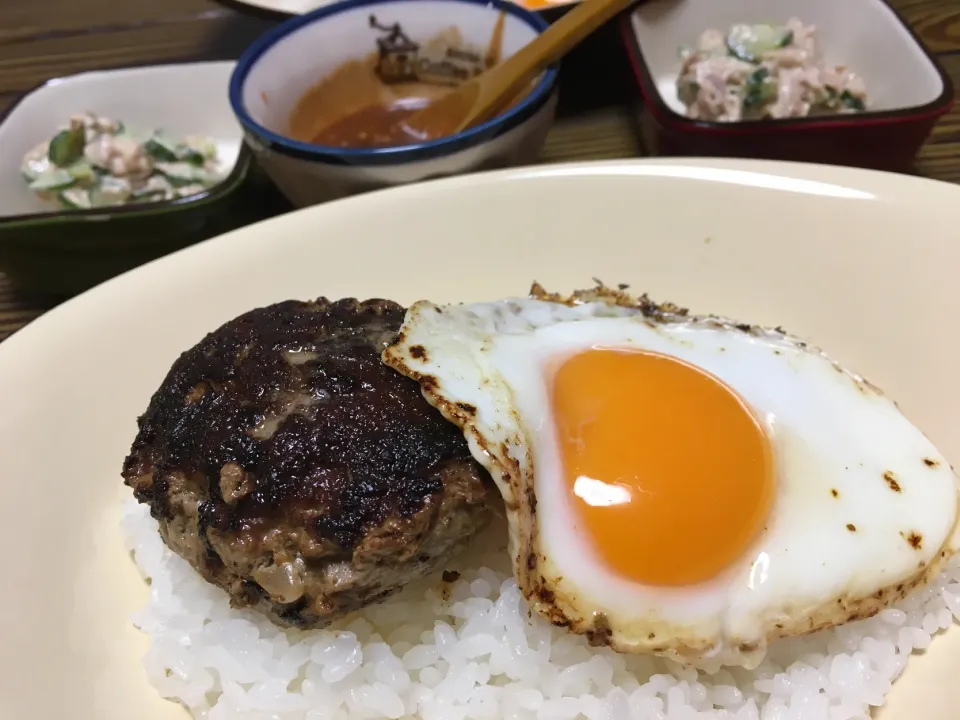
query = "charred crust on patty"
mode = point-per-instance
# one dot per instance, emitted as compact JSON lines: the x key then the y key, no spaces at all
{"x":281,"y":448}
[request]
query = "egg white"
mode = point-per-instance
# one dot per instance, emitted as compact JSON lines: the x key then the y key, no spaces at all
{"x":841,"y":540}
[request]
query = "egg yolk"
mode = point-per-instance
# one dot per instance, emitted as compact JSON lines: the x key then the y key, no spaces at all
{"x":669,"y":472}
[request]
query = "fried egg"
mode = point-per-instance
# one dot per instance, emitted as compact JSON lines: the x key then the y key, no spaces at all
{"x":683,"y":485}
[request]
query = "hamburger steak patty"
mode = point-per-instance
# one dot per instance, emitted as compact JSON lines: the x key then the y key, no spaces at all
{"x":292,"y":468}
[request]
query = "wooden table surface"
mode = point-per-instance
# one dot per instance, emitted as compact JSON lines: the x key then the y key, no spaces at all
{"x":42,"y":39}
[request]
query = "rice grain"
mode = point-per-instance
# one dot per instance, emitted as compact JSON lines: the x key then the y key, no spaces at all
{"x":468,"y":650}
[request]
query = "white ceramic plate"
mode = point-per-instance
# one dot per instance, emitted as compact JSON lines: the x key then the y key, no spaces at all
{"x":862,"y":263}
{"x":299,"y":7}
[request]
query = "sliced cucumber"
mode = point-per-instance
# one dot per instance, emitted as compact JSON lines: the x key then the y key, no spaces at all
{"x":81,"y":171}
{"x":111,"y":191}
{"x":147,"y":191}
{"x":76,"y":199}
{"x":183,"y":173}
{"x":34,"y":167}
{"x":759,"y":89}
{"x":203,"y":145}
{"x":178,"y":173}
{"x":67,"y":146}
{"x":162,"y":148}
{"x":149,"y":197}
{"x":190,"y":155}
{"x":52,"y":179}
{"x":99,"y":198}
{"x":750,"y":42}
{"x":189,"y":190}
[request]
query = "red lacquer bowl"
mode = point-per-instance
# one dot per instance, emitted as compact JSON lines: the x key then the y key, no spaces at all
{"x":907,"y":88}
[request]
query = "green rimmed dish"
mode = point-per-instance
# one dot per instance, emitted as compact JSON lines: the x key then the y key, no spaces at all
{"x":48,"y":249}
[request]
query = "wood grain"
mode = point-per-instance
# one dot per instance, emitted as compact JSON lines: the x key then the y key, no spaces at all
{"x":214,"y":35}
{"x":42,"y":39}
{"x":940,"y":157}
{"x":16,"y":310}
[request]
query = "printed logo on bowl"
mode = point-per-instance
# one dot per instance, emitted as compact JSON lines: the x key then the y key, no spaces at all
{"x":445,"y":59}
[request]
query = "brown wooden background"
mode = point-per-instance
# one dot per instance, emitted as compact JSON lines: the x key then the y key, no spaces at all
{"x":41,"y":39}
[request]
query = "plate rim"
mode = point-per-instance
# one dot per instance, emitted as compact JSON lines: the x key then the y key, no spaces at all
{"x":702,"y":168}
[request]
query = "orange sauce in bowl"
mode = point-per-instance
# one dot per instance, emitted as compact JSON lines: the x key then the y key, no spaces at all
{"x":374,"y":126}
{"x":379,"y":125}
{"x":372,"y":116}
{"x":353,"y":107}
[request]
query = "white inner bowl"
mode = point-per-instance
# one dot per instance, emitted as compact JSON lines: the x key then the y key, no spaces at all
{"x":300,"y":60}
{"x":864,"y":35}
{"x":181,"y":99}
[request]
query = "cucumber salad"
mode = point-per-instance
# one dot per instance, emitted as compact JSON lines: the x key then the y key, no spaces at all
{"x":97,"y":162}
{"x":753,"y":72}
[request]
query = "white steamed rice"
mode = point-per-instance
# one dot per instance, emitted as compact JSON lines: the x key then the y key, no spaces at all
{"x":468,"y":649}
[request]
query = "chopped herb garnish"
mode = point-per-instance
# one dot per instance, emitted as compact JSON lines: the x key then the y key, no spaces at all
{"x":758,"y":89}
{"x":160,"y":148}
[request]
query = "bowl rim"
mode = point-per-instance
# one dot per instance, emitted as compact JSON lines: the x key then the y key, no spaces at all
{"x":265,"y":12}
{"x":668,"y":116}
{"x":226,"y":186}
{"x":391,"y":154}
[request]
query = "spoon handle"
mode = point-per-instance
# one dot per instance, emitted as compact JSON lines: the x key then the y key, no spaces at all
{"x":506,"y":80}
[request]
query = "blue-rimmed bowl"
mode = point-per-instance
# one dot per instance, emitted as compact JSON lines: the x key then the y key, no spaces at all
{"x":283,"y":65}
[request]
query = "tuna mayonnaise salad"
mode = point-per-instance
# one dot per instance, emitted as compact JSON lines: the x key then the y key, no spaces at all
{"x":97,"y":162}
{"x":755,"y":72}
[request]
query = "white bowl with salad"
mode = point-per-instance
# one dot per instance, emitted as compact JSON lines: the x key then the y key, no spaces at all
{"x":105,"y":170}
{"x":118,"y":137}
{"x":95,"y":161}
